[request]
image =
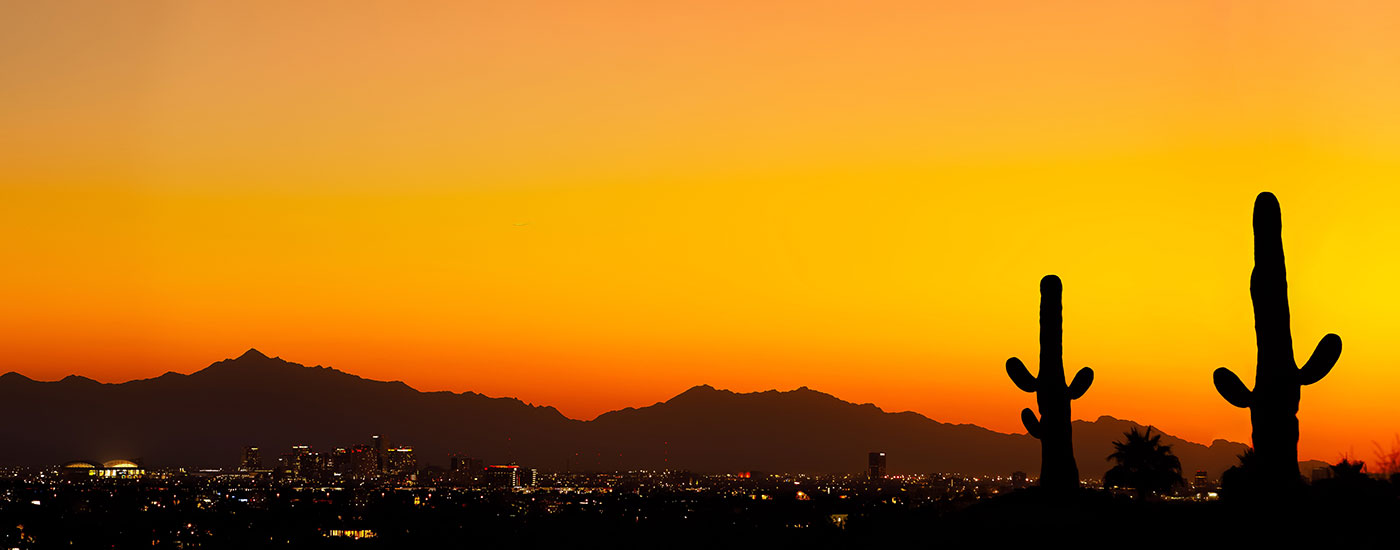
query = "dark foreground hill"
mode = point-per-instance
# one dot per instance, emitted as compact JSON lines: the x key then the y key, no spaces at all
{"x":203,"y":420}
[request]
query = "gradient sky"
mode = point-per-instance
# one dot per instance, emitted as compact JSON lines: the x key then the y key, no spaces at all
{"x":597,"y":204}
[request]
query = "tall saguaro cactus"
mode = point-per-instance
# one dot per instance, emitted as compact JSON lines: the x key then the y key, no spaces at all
{"x":1057,"y":468}
{"x":1273,"y":404}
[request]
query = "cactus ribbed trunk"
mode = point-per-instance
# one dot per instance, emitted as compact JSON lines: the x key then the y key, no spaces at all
{"x":1057,"y":467}
{"x":1058,"y":471}
{"x":1274,"y":414}
{"x":1273,"y":403}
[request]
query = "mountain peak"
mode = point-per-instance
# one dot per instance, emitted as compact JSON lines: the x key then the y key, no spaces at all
{"x":15,"y":377}
{"x":702,"y":392}
{"x":252,"y":353}
{"x":251,"y":361}
{"x":76,"y":379}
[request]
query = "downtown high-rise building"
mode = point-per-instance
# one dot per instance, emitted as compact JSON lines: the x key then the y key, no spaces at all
{"x":400,"y":461}
{"x":528,"y":477}
{"x":503,"y":475}
{"x":309,"y":464}
{"x":252,"y":459}
{"x":379,"y":446}
{"x":362,"y":463}
{"x":877,"y":465}
{"x":465,"y":470}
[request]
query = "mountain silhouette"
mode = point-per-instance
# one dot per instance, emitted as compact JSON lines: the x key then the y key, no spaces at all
{"x":200,"y":418}
{"x":205,"y":418}
{"x":800,"y":431}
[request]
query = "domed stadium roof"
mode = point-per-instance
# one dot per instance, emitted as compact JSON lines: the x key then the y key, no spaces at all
{"x":120,"y":464}
{"x":79,"y":464}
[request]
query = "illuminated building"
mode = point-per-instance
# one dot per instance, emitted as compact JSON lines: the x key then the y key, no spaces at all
{"x":252,"y":460}
{"x":528,"y":477}
{"x":1019,"y":480}
{"x":1200,"y":481}
{"x":877,"y":465}
{"x":505,"y":475}
{"x":339,"y":462}
{"x":112,"y":469}
{"x":399,"y":460}
{"x":119,"y":469}
{"x":361,"y":462}
{"x":351,"y":533}
{"x":76,"y":470}
{"x":311,"y":465}
{"x":377,"y":444}
{"x":465,"y":470}
{"x":300,"y":463}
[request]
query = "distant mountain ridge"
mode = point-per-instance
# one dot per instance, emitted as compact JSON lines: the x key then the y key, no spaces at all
{"x":203,"y":419}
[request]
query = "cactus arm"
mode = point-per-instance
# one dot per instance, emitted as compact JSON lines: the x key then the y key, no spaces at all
{"x":1032,"y":425}
{"x":1322,"y":360}
{"x":1020,"y":375}
{"x":1082,"y":380}
{"x":1232,"y":389}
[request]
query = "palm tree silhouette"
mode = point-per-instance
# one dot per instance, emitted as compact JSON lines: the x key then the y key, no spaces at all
{"x":1144,"y":464}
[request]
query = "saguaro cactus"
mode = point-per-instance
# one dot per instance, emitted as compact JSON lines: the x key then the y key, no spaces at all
{"x":1057,"y":468}
{"x":1273,"y":404}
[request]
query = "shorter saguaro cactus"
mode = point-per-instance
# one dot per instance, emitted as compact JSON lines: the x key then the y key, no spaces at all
{"x":1057,"y":468}
{"x":1273,"y":403}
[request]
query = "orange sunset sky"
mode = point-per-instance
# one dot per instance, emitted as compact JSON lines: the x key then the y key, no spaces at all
{"x":598,"y":204}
